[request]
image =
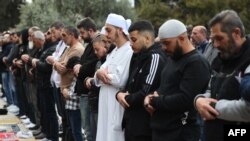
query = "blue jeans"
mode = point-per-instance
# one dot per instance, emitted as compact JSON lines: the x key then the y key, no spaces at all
{"x":245,"y":87}
{"x":9,"y":87}
{"x":75,"y":120}
{"x":200,"y":122}
{"x":85,"y":114}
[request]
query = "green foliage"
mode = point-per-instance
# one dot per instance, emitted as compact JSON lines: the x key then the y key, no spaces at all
{"x":194,"y":12}
{"x":9,"y":13}
{"x":96,"y":9}
{"x":40,"y":13}
{"x":157,"y":12}
{"x":44,"y":12}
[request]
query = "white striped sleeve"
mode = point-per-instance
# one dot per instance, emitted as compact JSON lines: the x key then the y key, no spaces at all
{"x":153,"y":68}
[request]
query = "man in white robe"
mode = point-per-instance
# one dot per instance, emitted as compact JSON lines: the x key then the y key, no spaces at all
{"x":112,"y":77}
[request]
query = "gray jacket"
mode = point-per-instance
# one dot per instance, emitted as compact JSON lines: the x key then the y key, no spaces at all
{"x":228,"y":109}
{"x":233,"y":110}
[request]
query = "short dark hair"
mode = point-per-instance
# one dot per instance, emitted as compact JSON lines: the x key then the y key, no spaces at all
{"x":72,"y":30}
{"x":18,"y":33}
{"x":72,"y":62}
{"x":57,"y":25}
{"x":25,"y":36}
{"x":229,"y":20}
{"x":87,"y":23}
{"x":142,"y":26}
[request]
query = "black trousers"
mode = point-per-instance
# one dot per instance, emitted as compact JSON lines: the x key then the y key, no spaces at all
{"x":131,"y":136}
{"x":46,"y":105}
{"x":21,"y":96}
{"x":183,"y":133}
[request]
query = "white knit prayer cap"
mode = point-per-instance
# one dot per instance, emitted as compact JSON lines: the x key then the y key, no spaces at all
{"x":39,"y":35}
{"x":171,"y":29}
{"x":119,"y":21}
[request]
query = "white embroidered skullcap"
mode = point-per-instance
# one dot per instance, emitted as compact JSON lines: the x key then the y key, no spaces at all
{"x":171,"y":29}
{"x":119,"y":21}
{"x":39,"y":35}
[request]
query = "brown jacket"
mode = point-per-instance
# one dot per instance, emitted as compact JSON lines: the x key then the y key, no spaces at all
{"x":67,"y":77}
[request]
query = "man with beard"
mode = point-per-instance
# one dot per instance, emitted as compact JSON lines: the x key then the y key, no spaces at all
{"x":101,"y":48}
{"x":144,"y":77}
{"x":185,"y":75}
{"x":45,"y":99}
{"x":31,"y":91}
{"x":7,"y":76}
{"x":223,"y":103}
{"x":20,"y":75}
{"x":70,"y":36}
{"x":112,"y":77}
{"x":86,"y":68}
{"x":56,"y":30}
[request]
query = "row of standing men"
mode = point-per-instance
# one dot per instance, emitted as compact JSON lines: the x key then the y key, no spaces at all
{"x":124,"y":86}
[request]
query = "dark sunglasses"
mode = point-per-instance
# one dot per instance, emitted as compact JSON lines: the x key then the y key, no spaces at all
{"x":64,"y":35}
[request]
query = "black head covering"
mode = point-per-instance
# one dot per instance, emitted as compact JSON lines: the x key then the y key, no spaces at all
{"x":25,"y":36}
